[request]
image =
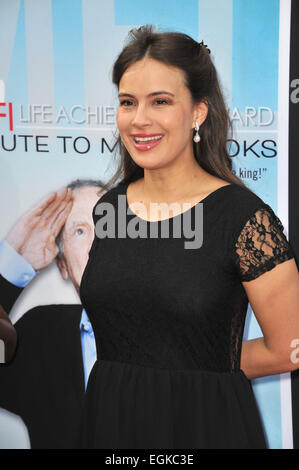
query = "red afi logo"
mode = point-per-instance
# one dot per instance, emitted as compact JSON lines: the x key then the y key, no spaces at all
{"x":10,"y":114}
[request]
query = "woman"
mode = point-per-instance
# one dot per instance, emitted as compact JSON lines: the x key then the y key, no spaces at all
{"x":168,"y":320}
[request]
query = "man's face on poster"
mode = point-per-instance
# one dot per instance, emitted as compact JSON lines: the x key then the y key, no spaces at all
{"x":77,"y":234}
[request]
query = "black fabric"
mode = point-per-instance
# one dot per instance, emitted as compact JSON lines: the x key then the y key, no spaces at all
{"x":9,"y":293}
{"x":168,"y":323}
{"x":44,"y":383}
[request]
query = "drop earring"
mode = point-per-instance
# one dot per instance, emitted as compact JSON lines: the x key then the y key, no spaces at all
{"x":196,"y":138}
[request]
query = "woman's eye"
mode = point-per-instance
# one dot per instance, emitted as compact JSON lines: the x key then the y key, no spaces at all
{"x":125,"y":102}
{"x":160,"y":100}
{"x":79,"y":231}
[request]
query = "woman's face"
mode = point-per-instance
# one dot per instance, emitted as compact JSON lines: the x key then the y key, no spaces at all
{"x":155,"y":105}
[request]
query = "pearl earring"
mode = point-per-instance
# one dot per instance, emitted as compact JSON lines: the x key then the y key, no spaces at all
{"x":196,"y":138}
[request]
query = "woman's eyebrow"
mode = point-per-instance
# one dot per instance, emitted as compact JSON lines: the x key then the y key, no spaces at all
{"x":150,"y":94}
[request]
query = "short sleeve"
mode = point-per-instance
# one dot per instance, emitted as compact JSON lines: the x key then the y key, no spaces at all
{"x":261,"y":244}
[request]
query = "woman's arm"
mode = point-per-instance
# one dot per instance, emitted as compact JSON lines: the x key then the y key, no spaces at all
{"x":8,"y":337}
{"x":274,"y":298}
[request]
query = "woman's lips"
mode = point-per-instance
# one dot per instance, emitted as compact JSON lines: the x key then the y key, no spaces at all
{"x":145,"y":146}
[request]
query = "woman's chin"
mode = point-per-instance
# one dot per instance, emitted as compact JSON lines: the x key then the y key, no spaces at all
{"x":148,"y":162}
{"x":151,"y":165}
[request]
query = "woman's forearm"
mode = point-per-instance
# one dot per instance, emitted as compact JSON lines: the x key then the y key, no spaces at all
{"x":258,"y":361}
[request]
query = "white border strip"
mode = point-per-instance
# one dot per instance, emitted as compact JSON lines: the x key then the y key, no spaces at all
{"x":283,"y":187}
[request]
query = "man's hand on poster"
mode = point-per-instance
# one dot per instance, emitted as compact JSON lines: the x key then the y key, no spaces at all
{"x":8,"y":337}
{"x":33,"y":236}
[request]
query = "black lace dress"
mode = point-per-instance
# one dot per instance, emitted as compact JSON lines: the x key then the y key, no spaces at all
{"x":168,"y":323}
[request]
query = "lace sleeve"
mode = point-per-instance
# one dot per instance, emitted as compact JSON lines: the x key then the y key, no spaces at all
{"x":261,"y":245}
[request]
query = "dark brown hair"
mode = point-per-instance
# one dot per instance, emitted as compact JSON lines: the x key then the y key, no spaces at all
{"x":193,"y":58}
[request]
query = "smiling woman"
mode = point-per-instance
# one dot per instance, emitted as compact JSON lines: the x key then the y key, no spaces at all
{"x":165,"y":117}
{"x":171,"y":78}
{"x":172,"y":371}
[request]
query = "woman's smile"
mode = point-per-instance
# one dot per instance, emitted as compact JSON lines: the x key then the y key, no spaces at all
{"x":146,"y":142}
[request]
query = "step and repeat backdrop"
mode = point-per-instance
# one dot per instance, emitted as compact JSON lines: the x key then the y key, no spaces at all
{"x":57,"y":122}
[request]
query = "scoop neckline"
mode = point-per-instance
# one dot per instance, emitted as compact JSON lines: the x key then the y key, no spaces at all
{"x":126,"y":184}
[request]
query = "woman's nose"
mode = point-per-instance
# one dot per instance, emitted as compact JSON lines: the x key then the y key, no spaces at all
{"x":141,"y":117}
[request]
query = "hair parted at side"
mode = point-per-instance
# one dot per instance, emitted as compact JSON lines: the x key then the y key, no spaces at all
{"x":193,"y":58}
